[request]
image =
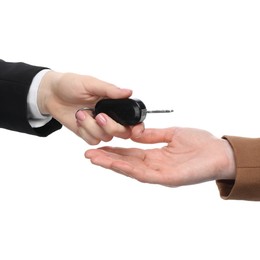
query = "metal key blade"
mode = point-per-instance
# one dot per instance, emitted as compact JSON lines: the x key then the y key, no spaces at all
{"x":159,"y":111}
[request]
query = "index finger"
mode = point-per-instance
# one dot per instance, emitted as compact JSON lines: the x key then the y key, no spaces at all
{"x":155,"y":135}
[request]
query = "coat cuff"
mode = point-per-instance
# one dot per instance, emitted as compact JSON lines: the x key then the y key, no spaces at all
{"x":246,"y":186}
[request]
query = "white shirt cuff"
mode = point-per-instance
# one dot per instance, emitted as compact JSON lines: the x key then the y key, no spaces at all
{"x":35,"y":118}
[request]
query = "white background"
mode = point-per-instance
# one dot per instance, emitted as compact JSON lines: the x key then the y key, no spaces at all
{"x":200,"y":58}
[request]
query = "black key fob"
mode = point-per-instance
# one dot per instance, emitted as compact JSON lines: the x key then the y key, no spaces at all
{"x":125,"y":111}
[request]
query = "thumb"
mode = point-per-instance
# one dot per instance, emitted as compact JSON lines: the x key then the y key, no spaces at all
{"x":105,"y":89}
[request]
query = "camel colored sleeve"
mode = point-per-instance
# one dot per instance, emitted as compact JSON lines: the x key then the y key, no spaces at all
{"x":246,"y":186}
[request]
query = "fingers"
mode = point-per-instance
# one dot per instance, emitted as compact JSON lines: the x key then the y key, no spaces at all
{"x":128,"y":162}
{"x":111,"y":127}
{"x":91,"y":132}
{"x":137,"y":131}
{"x":102,"y":128}
{"x":153,"y":135}
{"x":117,"y":153}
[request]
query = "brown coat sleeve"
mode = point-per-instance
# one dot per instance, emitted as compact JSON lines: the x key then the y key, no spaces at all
{"x":246,"y":186}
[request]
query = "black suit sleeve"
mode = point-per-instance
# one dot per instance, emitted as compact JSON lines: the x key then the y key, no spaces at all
{"x":15,"y":80}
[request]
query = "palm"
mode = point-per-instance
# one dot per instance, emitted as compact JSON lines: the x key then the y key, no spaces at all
{"x":186,"y":159}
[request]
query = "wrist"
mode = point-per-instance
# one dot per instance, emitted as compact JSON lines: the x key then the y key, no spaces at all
{"x":228,"y":169}
{"x":46,"y":91}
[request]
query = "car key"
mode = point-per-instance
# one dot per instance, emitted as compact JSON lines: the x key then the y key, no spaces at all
{"x":125,"y":111}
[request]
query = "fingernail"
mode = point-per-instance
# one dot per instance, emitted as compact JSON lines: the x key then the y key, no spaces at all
{"x":101,"y":120}
{"x":80,"y":115}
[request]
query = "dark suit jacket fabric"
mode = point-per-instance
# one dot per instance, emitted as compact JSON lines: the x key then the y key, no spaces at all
{"x":15,"y":80}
